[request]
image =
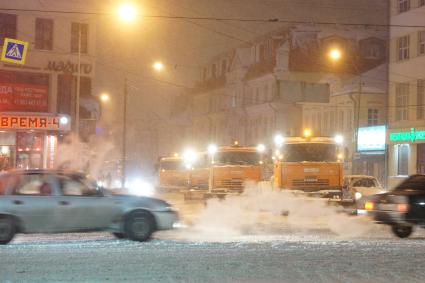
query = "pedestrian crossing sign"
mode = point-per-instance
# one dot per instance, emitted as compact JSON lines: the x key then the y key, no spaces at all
{"x":14,"y":51}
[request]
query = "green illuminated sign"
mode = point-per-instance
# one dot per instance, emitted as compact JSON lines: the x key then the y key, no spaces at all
{"x":413,"y":135}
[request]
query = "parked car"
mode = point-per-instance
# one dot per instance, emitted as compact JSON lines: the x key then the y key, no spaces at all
{"x":44,"y":201}
{"x":403,"y":208}
{"x":358,"y":188}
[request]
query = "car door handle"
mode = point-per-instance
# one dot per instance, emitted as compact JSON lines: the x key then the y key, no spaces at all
{"x":62,"y":202}
{"x":18,"y":202}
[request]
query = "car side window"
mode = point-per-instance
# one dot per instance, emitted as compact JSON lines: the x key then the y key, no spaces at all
{"x":33,"y":185}
{"x":74,"y":187}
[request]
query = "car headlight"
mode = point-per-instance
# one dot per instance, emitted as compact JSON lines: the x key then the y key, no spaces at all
{"x":358,"y":195}
{"x":141,"y":188}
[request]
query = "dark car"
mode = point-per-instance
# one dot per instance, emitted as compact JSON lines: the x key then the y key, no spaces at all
{"x":403,"y":208}
{"x":45,"y":201}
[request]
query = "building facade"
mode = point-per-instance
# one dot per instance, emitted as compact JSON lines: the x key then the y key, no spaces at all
{"x":406,"y":138}
{"x":41,"y":94}
{"x":284,"y":81}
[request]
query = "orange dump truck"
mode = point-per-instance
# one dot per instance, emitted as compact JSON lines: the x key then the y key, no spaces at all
{"x":312,"y":165}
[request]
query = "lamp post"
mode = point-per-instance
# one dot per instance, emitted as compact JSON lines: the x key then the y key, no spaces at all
{"x":212,"y":150}
{"x":127,"y":13}
{"x":77,"y":95}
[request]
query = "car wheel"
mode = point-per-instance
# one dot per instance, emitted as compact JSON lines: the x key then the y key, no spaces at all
{"x":139,"y":226}
{"x":7,"y":230}
{"x":119,"y":235}
{"x":402,"y":231}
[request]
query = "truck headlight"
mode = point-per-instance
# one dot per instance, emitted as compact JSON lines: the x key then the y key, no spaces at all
{"x":358,"y":195}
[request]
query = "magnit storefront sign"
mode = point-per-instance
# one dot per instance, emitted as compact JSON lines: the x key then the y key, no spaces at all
{"x":412,"y":136}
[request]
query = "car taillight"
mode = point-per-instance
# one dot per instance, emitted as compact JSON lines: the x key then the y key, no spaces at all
{"x":402,"y":207}
{"x":369,"y":205}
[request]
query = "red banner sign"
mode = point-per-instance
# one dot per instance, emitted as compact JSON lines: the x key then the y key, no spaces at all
{"x":33,"y":123}
{"x":23,"y":97}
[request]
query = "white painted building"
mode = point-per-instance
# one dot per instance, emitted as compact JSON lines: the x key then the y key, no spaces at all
{"x":406,"y":140}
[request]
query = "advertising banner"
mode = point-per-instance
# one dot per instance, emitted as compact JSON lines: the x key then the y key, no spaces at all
{"x":23,"y":97}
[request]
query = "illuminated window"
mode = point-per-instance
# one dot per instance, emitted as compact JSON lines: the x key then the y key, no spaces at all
{"x":403,"y":47}
{"x":403,"y":159}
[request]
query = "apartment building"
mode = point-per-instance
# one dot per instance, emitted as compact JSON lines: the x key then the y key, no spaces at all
{"x":406,"y":138}
{"x":45,"y":87}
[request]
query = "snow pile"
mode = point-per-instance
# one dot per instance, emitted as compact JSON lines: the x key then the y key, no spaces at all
{"x":261,"y":210}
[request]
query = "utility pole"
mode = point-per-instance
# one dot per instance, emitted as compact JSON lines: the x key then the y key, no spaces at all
{"x":124,"y":136}
{"x":77,"y":96}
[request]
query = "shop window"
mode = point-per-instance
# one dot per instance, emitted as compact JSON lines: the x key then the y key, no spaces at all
{"x":372,"y":117}
{"x":7,"y":26}
{"x":402,"y":101}
{"x":403,"y":6}
{"x":402,"y":159}
{"x":30,"y":149}
{"x":420,"y":99}
{"x":403,"y":44}
{"x":420,"y":168}
{"x":43,"y":34}
{"x":79,"y":30}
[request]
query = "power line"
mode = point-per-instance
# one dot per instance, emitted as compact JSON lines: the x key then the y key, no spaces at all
{"x":253,"y":20}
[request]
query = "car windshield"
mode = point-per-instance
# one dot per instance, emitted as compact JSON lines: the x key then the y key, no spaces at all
{"x":316,"y":152}
{"x":413,"y":183}
{"x":171,"y":165}
{"x":237,"y":158}
{"x":364,"y":183}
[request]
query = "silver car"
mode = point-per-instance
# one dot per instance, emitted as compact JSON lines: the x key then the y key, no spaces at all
{"x":44,"y":201}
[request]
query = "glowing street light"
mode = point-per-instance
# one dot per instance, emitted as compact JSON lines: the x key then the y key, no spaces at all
{"x":189,"y":157}
{"x":104,"y":97}
{"x":335,"y":54}
{"x":158,"y":66}
{"x":127,"y":12}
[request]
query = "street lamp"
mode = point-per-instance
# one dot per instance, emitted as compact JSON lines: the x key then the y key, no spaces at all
{"x":104,"y":97}
{"x":335,"y":54}
{"x":127,"y":12}
{"x":158,"y":66}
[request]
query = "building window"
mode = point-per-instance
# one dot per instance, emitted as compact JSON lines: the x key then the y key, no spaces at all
{"x":421,"y":42}
{"x":7,"y":26}
{"x":403,"y":48}
{"x":223,"y":67}
{"x":349,"y":120}
{"x":403,"y":159}
{"x":43,"y":34}
{"x":403,"y":5}
{"x":421,"y":3}
{"x":77,"y":30}
{"x":213,"y":71}
{"x":420,"y":113}
{"x":372,"y":117}
{"x":341,"y":121}
{"x":402,"y":101}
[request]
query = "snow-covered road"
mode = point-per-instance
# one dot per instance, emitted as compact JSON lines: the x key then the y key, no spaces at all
{"x":295,"y":257}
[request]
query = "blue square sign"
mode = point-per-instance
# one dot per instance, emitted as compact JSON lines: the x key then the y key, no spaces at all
{"x":14,"y":51}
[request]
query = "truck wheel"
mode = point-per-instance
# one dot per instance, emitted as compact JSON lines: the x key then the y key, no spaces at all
{"x":139,"y":226}
{"x":402,"y":231}
{"x":7,"y":230}
{"x":119,"y":235}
